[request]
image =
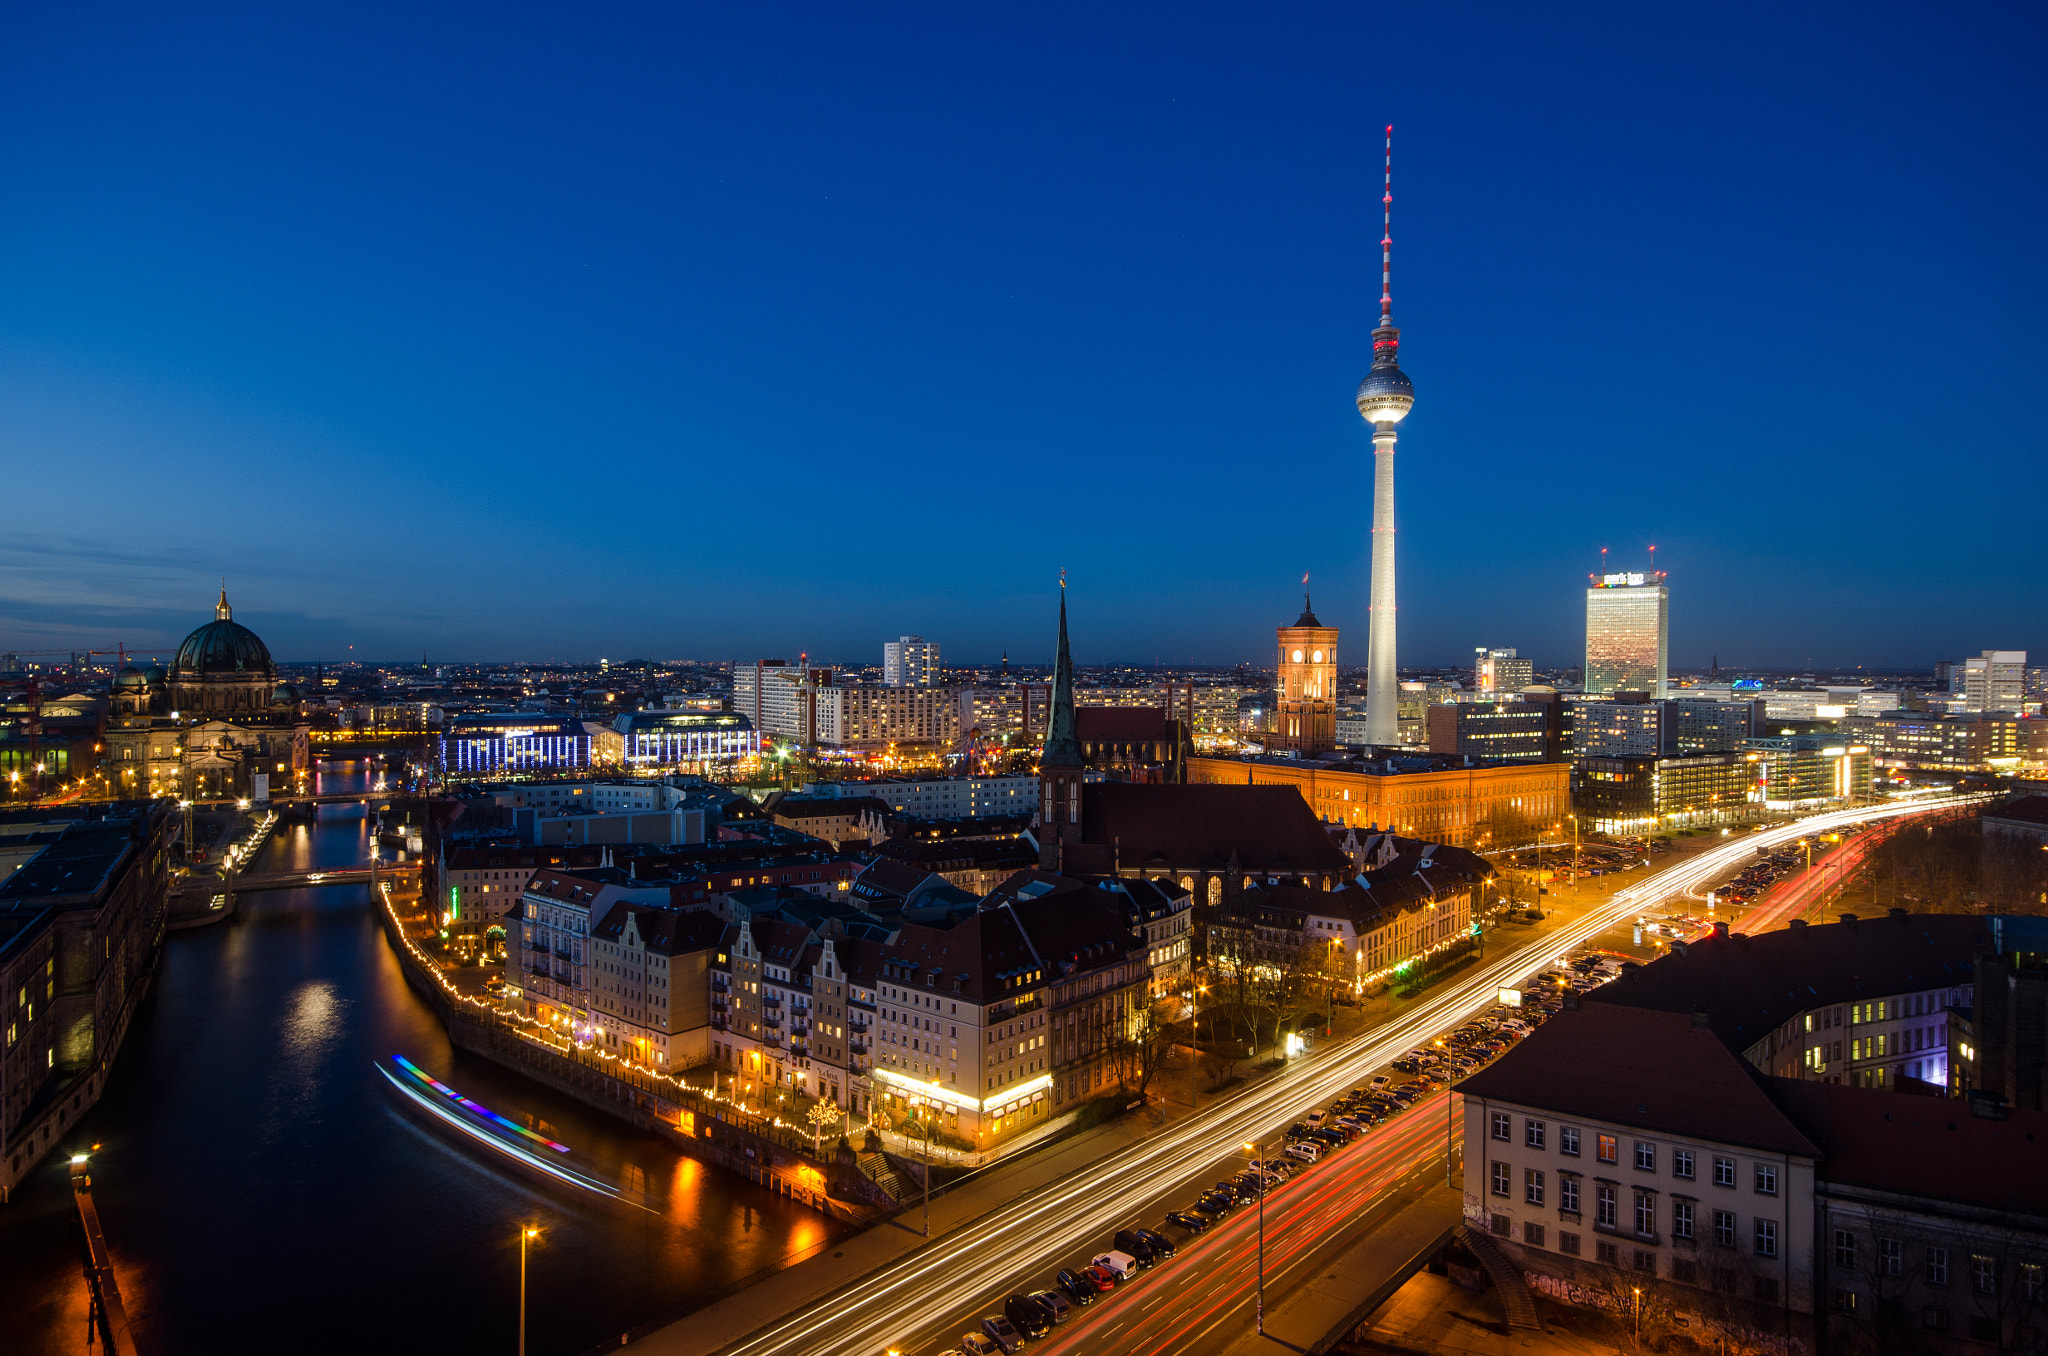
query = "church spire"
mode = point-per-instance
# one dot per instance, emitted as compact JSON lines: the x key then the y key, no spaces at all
{"x":221,"y":610}
{"x":1062,"y":745}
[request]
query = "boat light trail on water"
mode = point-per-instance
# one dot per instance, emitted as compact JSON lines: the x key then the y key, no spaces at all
{"x":447,"y":1113}
{"x":452,"y":1095}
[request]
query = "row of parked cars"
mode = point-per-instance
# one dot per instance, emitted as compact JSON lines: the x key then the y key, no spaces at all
{"x":1028,"y":1315}
{"x":1757,"y":878}
{"x":1032,"y":1314}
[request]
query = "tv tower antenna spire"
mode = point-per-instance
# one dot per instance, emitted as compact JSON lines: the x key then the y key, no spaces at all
{"x":1384,"y":398}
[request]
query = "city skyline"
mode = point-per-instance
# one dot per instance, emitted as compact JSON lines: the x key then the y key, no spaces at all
{"x":323,"y":321}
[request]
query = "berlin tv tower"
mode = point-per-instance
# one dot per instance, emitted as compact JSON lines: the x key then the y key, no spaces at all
{"x":1383,"y":398}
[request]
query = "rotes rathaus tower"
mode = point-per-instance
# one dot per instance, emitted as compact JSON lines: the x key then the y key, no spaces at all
{"x":1383,"y":398}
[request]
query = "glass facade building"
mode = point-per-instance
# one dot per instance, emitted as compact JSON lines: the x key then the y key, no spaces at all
{"x":1628,"y":634}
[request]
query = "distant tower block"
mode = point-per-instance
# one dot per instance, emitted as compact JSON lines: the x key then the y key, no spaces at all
{"x":1384,"y":399}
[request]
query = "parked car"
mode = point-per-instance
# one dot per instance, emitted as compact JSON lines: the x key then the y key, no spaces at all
{"x":1216,"y":1203}
{"x":1027,"y":1315}
{"x":1162,"y":1246}
{"x":1308,"y":1151}
{"x":974,"y":1344}
{"x":1078,"y":1286}
{"x":1001,"y":1331}
{"x":1121,"y":1265}
{"x":1056,"y":1304}
{"x":1104,"y":1278}
{"x":1188,"y":1220}
{"x":1315,"y":1118}
{"x":1134,"y":1242}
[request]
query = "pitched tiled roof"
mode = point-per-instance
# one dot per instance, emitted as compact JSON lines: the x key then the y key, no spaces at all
{"x":1928,"y":1146}
{"x":1751,"y":985}
{"x":1654,"y":1071}
{"x":1119,"y":724}
{"x":2026,"y":810}
{"x":667,"y":932}
{"x":1270,"y":829}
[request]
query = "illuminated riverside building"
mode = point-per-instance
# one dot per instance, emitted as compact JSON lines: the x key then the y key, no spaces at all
{"x":1419,"y":796}
{"x":1628,"y":634}
{"x":1633,"y":795}
{"x":520,"y":741}
{"x":673,"y":738}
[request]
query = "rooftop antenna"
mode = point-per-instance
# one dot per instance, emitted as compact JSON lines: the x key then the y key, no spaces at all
{"x":1304,"y":592}
{"x":1653,"y":562}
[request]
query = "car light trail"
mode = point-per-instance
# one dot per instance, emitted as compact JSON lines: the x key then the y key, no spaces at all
{"x":991,"y":1256}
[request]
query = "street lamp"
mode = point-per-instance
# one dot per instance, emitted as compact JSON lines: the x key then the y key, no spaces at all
{"x":1253,"y":1150}
{"x":527,"y":1234}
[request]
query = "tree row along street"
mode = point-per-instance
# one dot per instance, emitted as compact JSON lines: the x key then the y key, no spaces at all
{"x":918,"y":1296}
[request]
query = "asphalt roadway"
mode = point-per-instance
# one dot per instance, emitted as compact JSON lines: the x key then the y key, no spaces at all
{"x":920,"y":1300}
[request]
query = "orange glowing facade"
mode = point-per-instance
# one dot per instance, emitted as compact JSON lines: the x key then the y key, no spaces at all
{"x":1305,"y":715}
{"x":1474,"y":807}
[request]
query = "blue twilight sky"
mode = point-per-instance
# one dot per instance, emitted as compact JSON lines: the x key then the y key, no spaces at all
{"x":506,"y":331}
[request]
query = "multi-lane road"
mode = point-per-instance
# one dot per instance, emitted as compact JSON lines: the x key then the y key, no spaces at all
{"x":924,"y":1301}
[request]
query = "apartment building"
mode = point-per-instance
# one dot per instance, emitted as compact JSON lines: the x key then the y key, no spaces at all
{"x":650,"y":984}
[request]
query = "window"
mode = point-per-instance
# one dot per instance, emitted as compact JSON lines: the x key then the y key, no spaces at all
{"x":1724,"y":1171}
{"x":1888,"y":1256}
{"x":1845,"y":1301}
{"x":1646,"y":1214}
{"x":1724,"y":1228}
{"x":2031,"y":1281}
{"x":1646,"y":1261}
{"x":1766,"y":1179}
{"x":1681,"y":1163}
{"x":1983,"y":1275}
{"x":1681,"y":1219}
{"x":1568,"y":1141}
{"x":1936,"y":1320}
{"x":1683,"y":1270}
{"x":1603,"y":1206}
{"x":1500,"y":1179}
{"x":1500,"y":1226}
{"x":1568,"y":1194}
{"x":1532,"y":1186}
{"x":1532,"y":1234}
{"x":1604,"y":1251}
{"x":1937,"y":1266}
{"x":1607,"y":1149}
{"x":1532,"y":1134}
{"x":1767,"y":1238}
{"x":1503,"y":1126}
{"x":1646,"y":1157}
{"x":1568,"y":1243}
{"x":1845,"y":1249}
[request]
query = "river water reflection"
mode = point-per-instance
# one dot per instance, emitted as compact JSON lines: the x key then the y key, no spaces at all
{"x":263,"y":1189}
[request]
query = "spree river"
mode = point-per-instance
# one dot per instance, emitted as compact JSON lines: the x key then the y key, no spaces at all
{"x":263,"y":1188}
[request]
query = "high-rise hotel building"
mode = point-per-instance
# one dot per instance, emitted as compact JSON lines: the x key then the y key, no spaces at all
{"x":1628,"y":634}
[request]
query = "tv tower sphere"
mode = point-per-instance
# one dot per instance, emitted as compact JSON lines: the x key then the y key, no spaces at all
{"x":1385,"y":395}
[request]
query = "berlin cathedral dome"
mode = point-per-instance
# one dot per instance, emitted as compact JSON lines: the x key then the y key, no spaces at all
{"x":222,"y":668}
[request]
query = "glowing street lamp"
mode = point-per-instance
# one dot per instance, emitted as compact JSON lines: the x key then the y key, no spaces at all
{"x":527,"y":1234}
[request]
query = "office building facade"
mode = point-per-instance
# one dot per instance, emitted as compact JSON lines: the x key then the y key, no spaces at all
{"x":1628,"y":634}
{"x":1500,"y":671}
{"x":910,"y":661}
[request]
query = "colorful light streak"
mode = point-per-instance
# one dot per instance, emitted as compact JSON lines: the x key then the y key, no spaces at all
{"x":452,"y":1095}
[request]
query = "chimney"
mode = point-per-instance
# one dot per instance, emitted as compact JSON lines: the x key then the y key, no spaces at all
{"x":1849,"y":918}
{"x":1699,"y":1019}
{"x":1797,"y":925}
{"x":1721,"y":930}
